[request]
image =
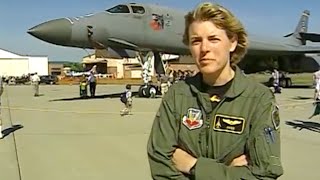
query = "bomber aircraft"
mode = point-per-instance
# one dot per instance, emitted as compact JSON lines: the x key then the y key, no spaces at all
{"x":151,"y":28}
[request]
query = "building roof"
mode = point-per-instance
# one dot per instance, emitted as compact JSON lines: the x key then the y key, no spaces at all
{"x":9,"y":54}
{"x":93,"y":61}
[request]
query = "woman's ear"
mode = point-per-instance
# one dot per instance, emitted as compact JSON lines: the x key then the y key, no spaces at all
{"x":234,"y":43}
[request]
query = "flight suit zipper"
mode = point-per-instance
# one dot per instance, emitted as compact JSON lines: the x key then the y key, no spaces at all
{"x":210,"y":129}
{"x":206,"y":119}
{"x":209,"y":119}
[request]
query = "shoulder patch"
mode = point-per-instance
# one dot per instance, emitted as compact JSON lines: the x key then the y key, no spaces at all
{"x":275,"y":117}
{"x":229,"y":124}
{"x":193,"y":119}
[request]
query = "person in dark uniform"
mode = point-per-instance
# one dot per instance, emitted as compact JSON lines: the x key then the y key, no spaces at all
{"x":1,"y":91}
{"x":218,"y":124}
{"x":92,"y":83}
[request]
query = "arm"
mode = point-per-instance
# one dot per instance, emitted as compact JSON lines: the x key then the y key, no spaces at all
{"x":1,"y":86}
{"x":163,"y":141}
{"x":263,"y":150}
{"x":1,"y":90}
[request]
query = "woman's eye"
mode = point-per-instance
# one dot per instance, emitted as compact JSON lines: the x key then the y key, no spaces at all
{"x":214,"y":39}
{"x":195,"y":41}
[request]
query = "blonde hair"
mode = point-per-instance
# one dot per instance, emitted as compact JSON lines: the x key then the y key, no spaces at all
{"x":223,"y":19}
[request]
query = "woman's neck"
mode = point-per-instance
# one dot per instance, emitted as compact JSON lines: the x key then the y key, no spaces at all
{"x":219,"y":78}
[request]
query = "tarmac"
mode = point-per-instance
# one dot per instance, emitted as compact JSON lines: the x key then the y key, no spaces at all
{"x":59,"y":136}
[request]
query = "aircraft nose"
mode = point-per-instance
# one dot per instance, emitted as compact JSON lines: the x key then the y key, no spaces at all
{"x":56,"y":31}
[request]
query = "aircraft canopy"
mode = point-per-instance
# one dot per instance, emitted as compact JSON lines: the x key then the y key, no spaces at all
{"x":125,"y":9}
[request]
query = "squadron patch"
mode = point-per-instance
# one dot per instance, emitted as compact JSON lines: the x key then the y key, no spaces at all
{"x":275,"y":117}
{"x":193,"y":119}
{"x":229,"y":124}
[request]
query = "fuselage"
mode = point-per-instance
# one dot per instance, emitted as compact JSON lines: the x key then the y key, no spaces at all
{"x":146,"y":27}
{"x":135,"y":26}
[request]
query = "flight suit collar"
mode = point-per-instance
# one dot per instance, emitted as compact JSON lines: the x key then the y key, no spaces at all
{"x":238,"y":85}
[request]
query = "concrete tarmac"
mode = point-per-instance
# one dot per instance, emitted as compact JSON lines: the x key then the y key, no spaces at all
{"x":58,"y":136}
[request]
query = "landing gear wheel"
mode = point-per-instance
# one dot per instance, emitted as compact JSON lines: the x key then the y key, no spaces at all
{"x":141,"y":91}
{"x":282,"y":83}
{"x":288,"y":83}
{"x":151,"y":91}
{"x":148,"y":91}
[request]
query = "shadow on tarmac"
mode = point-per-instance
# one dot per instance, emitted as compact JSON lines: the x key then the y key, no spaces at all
{"x":10,"y":130}
{"x":302,"y":98}
{"x":299,"y":87}
{"x":308,"y":125}
{"x":114,"y":95}
{"x":294,"y":86}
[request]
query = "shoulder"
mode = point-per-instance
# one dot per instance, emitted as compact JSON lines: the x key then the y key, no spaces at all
{"x":182,"y":89}
{"x":184,"y":86}
{"x":257,"y":89}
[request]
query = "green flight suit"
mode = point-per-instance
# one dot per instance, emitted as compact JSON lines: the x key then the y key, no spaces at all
{"x":246,"y":121}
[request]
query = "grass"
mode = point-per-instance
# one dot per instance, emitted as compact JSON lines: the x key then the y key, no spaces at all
{"x":297,"y":79}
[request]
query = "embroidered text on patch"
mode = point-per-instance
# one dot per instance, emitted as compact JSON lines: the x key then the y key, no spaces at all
{"x":229,"y":124}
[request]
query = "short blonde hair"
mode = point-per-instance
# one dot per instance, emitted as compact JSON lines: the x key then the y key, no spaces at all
{"x":223,"y":19}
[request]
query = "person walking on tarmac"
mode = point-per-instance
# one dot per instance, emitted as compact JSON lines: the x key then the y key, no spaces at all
{"x":316,"y":102}
{"x":218,"y":124}
{"x":276,"y":81}
{"x":1,"y":91}
{"x":35,"y":81}
{"x":83,"y":87}
{"x":126,"y":99}
{"x":92,"y":83}
{"x":316,"y":79}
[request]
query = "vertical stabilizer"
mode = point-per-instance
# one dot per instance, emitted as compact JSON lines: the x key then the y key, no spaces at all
{"x":302,"y":27}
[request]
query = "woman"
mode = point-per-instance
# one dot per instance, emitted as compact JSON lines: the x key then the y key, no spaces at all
{"x":218,"y":124}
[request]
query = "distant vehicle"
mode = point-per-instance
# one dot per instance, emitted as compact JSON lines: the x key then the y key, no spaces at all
{"x":48,"y":79}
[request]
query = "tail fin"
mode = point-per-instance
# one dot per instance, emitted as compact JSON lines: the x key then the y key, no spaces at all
{"x":302,"y":27}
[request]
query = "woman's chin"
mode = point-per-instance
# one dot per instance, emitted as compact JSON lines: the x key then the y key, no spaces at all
{"x":207,"y":69}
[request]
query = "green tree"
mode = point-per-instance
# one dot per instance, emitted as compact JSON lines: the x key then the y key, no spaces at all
{"x":74,"y":66}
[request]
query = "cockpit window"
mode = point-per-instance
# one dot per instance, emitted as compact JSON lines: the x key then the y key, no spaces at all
{"x":138,"y":9}
{"x":119,"y":9}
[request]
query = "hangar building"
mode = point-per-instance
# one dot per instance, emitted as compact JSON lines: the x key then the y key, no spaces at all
{"x":12,"y":64}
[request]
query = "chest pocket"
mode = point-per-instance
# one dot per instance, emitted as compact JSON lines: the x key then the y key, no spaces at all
{"x":191,"y":122}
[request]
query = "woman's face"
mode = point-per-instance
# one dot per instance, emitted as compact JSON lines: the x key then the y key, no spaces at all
{"x":210,"y":46}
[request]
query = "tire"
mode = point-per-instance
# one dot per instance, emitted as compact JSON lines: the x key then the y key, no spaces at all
{"x":147,"y":91}
{"x":288,"y":83}
{"x":282,"y":83}
{"x":151,"y":91}
{"x":141,"y":92}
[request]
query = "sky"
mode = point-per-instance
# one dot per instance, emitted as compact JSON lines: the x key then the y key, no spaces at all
{"x":267,"y":18}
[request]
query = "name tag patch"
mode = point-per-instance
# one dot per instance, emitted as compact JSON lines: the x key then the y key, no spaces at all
{"x":229,"y":124}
